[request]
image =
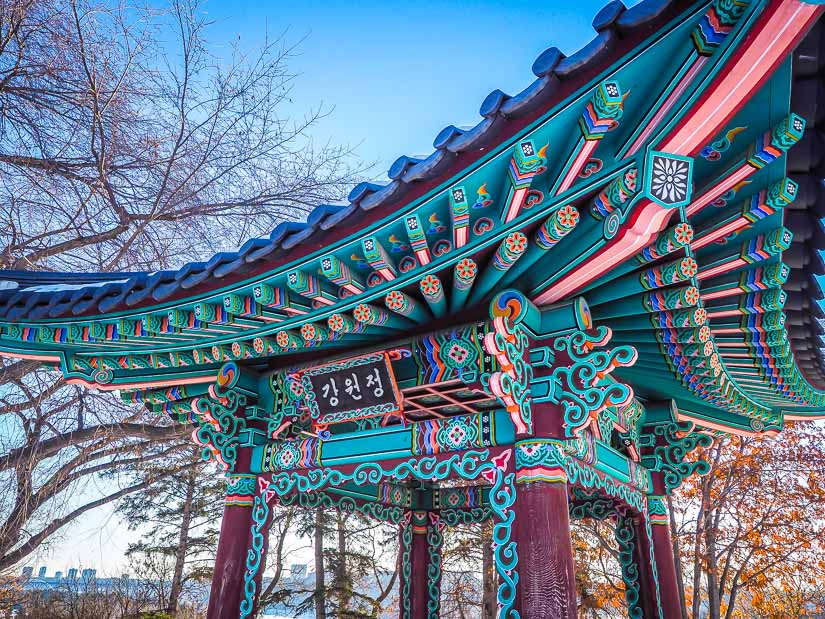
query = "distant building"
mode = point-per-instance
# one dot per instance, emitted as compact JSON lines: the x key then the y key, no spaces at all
{"x":298,"y":570}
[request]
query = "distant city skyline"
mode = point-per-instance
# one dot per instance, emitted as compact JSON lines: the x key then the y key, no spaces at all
{"x":394,"y":74}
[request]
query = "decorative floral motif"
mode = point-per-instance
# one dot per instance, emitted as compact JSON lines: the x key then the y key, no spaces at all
{"x":398,"y":302}
{"x":670,"y":179}
{"x":465,"y":273}
{"x":671,"y":299}
{"x":669,"y":274}
{"x":291,"y":454}
{"x":674,"y":238}
{"x":455,"y":353}
{"x":616,"y":194}
{"x":557,"y":226}
{"x":431,"y":287}
{"x":369,"y":314}
{"x":453,"y":434}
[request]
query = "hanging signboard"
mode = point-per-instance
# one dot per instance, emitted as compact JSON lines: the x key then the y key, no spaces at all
{"x":351,"y":389}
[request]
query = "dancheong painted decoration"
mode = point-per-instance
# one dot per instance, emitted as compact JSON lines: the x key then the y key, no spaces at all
{"x":542,"y":320}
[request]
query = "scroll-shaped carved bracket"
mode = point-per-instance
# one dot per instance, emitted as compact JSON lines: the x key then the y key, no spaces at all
{"x":671,"y":443}
{"x":590,"y":504}
{"x":509,"y":344}
{"x":221,"y":429}
{"x":581,"y":373}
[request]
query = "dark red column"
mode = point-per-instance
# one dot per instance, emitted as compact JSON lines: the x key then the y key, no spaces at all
{"x":420,"y":559}
{"x":230,"y":563}
{"x":647,"y":581}
{"x":419,"y":563}
{"x":666,"y":568}
{"x":235,"y":540}
{"x":546,"y":570}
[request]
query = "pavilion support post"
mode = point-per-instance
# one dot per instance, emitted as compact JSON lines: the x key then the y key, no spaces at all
{"x":546,"y":571}
{"x":648,"y":575}
{"x":230,"y":561}
{"x":638,"y":567}
{"x":421,"y":539}
{"x":665,"y":560}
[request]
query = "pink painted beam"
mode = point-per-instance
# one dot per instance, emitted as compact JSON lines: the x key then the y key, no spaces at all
{"x":776,"y":32}
{"x":782,"y":24}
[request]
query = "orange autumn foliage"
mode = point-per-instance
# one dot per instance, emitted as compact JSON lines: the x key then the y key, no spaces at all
{"x":751,"y":532}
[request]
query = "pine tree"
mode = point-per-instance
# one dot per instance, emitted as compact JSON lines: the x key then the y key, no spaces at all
{"x":180,"y":517}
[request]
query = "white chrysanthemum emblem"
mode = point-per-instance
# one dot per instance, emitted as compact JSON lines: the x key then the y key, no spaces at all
{"x":670,"y":179}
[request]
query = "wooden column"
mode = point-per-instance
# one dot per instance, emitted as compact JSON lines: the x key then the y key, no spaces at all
{"x":234,"y":543}
{"x":230,"y":563}
{"x":546,"y":571}
{"x":420,"y":573}
{"x":638,"y":571}
{"x":665,"y":561}
{"x":648,"y":589}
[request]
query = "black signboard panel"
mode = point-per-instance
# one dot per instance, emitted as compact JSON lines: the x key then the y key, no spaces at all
{"x":351,"y":389}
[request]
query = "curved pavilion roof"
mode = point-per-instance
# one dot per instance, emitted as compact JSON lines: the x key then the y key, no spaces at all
{"x":570,"y":164}
{"x":618,"y":30}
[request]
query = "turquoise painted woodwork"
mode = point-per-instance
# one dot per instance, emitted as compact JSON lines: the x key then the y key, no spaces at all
{"x":586,"y":288}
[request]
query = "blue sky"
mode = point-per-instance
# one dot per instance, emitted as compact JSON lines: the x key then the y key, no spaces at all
{"x":394,"y":73}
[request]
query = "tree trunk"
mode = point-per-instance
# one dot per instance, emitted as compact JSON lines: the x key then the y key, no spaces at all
{"x":712,"y":576}
{"x":320,"y":585}
{"x":697,"y":562}
{"x":489,"y":602}
{"x":183,"y":544}
{"x":734,"y":590}
{"x":342,"y":586}
{"x":277,"y":558}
